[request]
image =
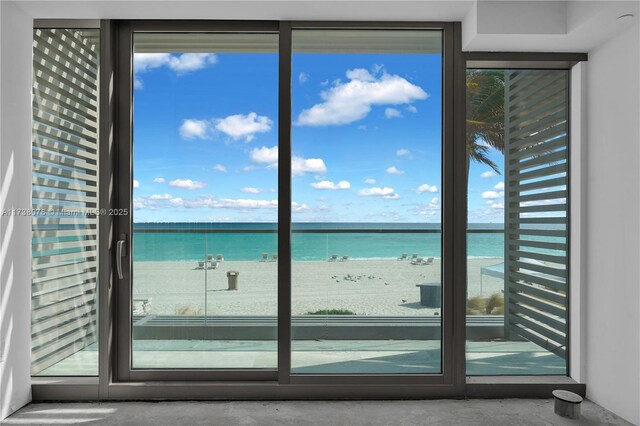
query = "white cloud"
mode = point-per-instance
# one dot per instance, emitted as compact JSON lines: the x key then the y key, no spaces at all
{"x":303,"y":77}
{"x":191,"y":129}
{"x":497,"y":206}
{"x":393,"y":170}
{"x":411,"y":108}
{"x":300,"y":166}
{"x":324,"y":83}
{"x":403,"y":152}
{"x":188,"y":62}
{"x":431,"y":209}
{"x":327,"y":184}
{"x":298,"y":208}
{"x":426,"y":188}
{"x":238,"y":126}
{"x":160,"y":197}
{"x":370,"y":181}
{"x":360,"y":74}
{"x":492,"y":195}
{"x":138,"y":84}
{"x":180,"y":64}
{"x":488,"y":174}
{"x":499,"y":186}
{"x":143,"y":62}
{"x":250,"y":190}
{"x":243,"y":126}
{"x":187,"y":184}
{"x":219,"y":168}
{"x":136,"y":184}
{"x":230,"y":203}
{"x":139,"y":204}
{"x":386,"y":192}
{"x":159,"y":180}
{"x":264,"y":155}
{"x":392,"y":113}
{"x":157,"y":201}
{"x":345,"y":103}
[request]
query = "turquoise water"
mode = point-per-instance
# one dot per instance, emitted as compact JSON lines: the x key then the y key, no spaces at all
{"x":245,"y":245}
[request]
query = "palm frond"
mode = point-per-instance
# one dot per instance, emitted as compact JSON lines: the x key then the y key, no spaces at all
{"x":485,"y":115}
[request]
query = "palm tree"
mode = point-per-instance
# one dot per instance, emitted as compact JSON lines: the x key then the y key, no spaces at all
{"x":485,"y":116}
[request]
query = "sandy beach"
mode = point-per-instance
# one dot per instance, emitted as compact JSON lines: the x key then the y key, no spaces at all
{"x":364,"y":287}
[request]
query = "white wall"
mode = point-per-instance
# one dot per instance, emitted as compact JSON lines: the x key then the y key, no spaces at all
{"x":15,"y":232}
{"x":612,"y":273}
{"x":613,"y":217}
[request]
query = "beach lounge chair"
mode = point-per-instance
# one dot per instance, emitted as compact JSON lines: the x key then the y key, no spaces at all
{"x":333,"y":258}
{"x":414,"y":257}
{"x":209,"y":257}
{"x":344,"y":258}
{"x":421,"y":261}
{"x":219,"y":257}
{"x":404,"y":256}
{"x":213,"y":265}
{"x":200,"y":265}
{"x":274,"y":257}
{"x":265,"y":257}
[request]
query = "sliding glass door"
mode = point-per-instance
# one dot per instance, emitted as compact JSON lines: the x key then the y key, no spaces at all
{"x":209,"y":288}
{"x":203,"y":252}
{"x":366,"y":185}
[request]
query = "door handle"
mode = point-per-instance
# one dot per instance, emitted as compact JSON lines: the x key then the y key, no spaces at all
{"x":121,"y":251}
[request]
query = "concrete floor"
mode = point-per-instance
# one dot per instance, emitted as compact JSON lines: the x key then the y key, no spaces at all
{"x":511,"y":412}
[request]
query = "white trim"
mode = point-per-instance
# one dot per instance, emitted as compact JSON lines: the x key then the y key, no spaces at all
{"x":578,"y":237}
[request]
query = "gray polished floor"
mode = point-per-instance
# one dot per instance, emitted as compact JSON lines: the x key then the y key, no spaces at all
{"x":511,"y":412}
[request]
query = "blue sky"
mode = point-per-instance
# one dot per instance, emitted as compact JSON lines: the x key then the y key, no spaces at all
{"x":366,"y":139}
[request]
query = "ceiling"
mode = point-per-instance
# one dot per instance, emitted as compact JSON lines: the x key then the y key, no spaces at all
{"x":544,"y":26}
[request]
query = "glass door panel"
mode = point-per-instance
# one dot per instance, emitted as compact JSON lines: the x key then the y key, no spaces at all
{"x":366,"y":192}
{"x":204,"y":245}
{"x":517,"y":237}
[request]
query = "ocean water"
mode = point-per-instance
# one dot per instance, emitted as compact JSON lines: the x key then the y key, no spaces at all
{"x":309,"y":241}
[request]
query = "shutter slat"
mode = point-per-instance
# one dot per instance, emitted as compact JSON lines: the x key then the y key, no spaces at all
{"x":45,"y":142}
{"x":543,"y":269}
{"x":551,"y":258}
{"x":536,"y":220}
{"x":531,"y":186}
{"x":518,"y":176}
{"x":545,"y":245}
{"x":544,"y":158}
{"x":541,"y":293}
{"x":550,"y":195}
{"x":539,"y":304}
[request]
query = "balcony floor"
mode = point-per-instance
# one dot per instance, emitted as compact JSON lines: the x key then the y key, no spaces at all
{"x":337,"y":356}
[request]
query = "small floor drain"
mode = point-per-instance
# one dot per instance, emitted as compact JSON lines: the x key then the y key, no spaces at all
{"x":567,"y":404}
